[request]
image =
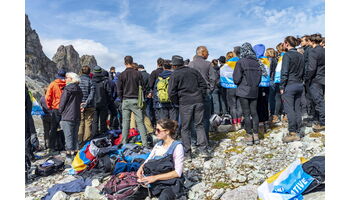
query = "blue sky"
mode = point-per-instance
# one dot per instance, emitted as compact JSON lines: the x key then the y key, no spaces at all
{"x":111,"y":29}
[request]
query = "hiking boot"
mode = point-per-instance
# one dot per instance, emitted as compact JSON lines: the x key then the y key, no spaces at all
{"x":249,"y":139}
{"x":203,"y":154}
{"x":256,"y":138}
{"x":291,"y":137}
{"x":285,"y":118}
{"x":275,"y":119}
{"x":188,"y":158}
{"x":318,"y":128}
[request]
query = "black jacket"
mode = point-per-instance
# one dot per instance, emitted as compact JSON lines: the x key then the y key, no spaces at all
{"x":292,"y":68}
{"x":315,"y":71}
{"x":102,"y":90}
{"x":186,"y":86}
{"x":145,"y":77}
{"x":70,"y":103}
{"x":88,"y":90}
{"x":128,"y":84}
{"x":306,"y":56}
{"x":153,"y":77}
{"x":273,"y":65}
{"x":208,"y":73}
{"x":247,"y":76}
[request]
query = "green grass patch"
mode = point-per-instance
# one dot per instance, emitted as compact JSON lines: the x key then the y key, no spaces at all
{"x":270,"y":155}
{"x":219,"y":185}
{"x":316,"y":135}
{"x":218,"y":136}
{"x":236,"y":149}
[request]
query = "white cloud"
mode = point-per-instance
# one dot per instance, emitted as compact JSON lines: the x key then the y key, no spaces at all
{"x":103,"y":55}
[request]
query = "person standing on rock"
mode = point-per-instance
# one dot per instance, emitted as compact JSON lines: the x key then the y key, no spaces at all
{"x":87,"y":105}
{"x":291,"y":87}
{"x":128,"y":89}
{"x":315,"y":76}
{"x":69,"y":108}
{"x":247,"y":77}
{"x":52,"y":97}
{"x":102,"y":91}
{"x":187,"y":88}
{"x":203,"y":66}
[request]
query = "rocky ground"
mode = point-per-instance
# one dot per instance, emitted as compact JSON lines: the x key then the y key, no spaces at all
{"x":234,"y":171}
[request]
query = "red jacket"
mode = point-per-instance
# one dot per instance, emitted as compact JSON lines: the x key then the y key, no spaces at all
{"x":54,"y":92}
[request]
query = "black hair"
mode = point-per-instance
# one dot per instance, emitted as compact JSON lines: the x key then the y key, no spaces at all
{"x":237,"y":51}
{"x":85,"y":70}
{"x":166,"y":64}
{"x":292,"y":41}
{"x":128,"y":60}
{"x":160,"y":62}
{"x":316,"y":38}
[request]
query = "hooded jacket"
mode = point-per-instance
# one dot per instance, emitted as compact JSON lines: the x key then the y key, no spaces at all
{"x":164,"y":74}
{"x":292,"y":68}
{"x":54,"y":92}
{"x":70,"y":103}
{"x":208,"y":73}
{"x":247,"y":76}
{"x":186,"y":86}
{"x":102,"y":90}
{"x":315,"y":71}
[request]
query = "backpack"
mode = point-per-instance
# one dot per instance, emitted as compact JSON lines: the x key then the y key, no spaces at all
{"x":101,"y":94}
{"x":50,"y":166}
{"x":124,"y":186}
{"x":215,"y":120}
{"x":162,"y":90}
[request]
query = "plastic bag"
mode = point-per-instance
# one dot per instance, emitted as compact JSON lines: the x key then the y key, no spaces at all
{"x":287,"y":184}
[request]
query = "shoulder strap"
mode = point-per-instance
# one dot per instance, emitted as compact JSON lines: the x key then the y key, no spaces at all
{"x":172,"y":147}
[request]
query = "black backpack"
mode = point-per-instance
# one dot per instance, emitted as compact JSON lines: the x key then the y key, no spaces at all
{"x":315,"y":167}
{"x":101,"y":93}
{"x":50,"y":166}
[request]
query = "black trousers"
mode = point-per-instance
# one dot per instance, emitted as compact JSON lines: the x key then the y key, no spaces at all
{"x":167,"y":194}
{"x":46,"y":119}
{"x":168,"y":113}
{"x":99,"y":124}
{"x":292,"y":98}
{"x":249,"y":110}
{"x":272,"y":100}
{"x":278,"y":100}
{"x":263,"y":104}
{"x":233,"y":103}
{"x":55,"y":123}
{"x":317,"y":93}
{"x":192,"y":115}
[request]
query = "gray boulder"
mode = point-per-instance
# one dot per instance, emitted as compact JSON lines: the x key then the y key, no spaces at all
{"x":247,"y":192}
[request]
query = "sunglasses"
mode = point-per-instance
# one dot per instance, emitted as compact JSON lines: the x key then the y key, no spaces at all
{"x":158,"y":130}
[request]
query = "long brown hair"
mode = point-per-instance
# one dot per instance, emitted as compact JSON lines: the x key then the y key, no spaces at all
{"x":170,"y":125}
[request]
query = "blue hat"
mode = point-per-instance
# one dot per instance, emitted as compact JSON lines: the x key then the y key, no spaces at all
{"x":61,"y":74}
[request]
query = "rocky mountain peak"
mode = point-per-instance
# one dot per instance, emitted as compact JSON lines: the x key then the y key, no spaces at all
{"x":68,"y":58}
{"x":88,"y":60}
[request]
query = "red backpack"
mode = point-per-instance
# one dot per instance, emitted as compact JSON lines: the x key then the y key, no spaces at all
{"x":132,"y":133}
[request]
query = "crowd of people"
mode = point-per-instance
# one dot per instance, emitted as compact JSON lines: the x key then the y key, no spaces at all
{"x":256,"y":87}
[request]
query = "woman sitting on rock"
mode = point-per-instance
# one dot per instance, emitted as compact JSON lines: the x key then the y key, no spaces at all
{"x":162,"y":170}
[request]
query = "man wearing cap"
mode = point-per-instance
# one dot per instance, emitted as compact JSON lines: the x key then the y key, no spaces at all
{"x":102,"y":100}
{"x":128,"y":87}
{"x":52,"y":97}
{"x":203,"y":66}
{"x":187,"y":88}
